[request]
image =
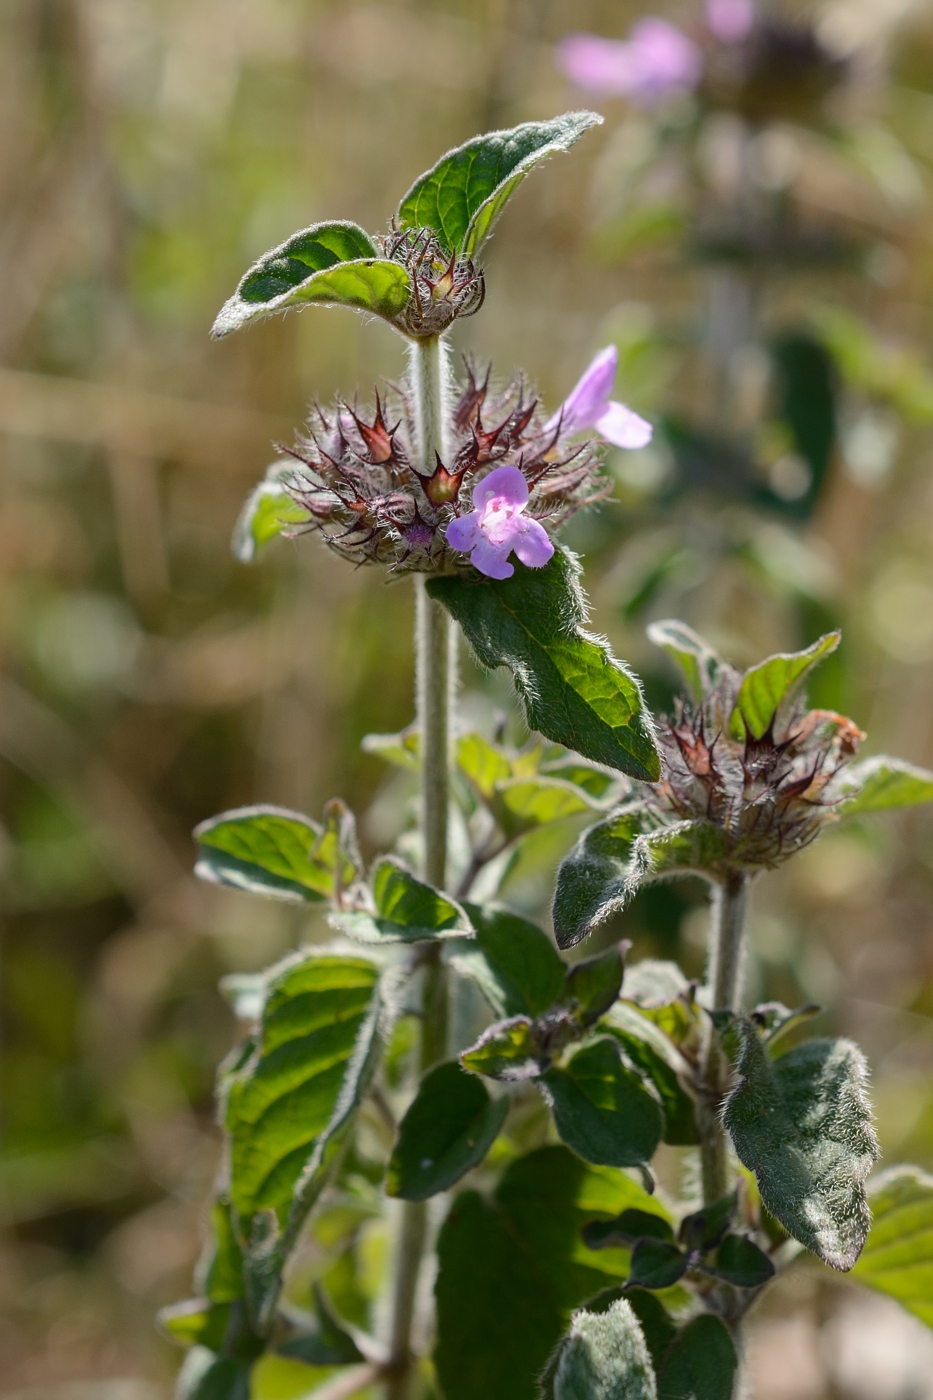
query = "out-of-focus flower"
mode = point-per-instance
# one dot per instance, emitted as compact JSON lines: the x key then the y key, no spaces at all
{"x":730,"y":21}
{"x":588,"y":405}
{"x":496,"y":526}
{"x":657,"y":61}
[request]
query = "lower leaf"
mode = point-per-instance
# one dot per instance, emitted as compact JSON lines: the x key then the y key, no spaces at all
{"x":898,"y":1256}
{"x":602,"y":1110}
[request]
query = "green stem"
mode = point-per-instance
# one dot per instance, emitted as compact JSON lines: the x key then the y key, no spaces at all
{"x":435,"y":660}
{"x":726,"y":958}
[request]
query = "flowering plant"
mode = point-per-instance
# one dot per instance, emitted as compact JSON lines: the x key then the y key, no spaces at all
{"x":440,"y":1040}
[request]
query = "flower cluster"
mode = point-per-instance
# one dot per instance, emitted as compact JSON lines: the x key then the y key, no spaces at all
{"x":443,"y":286}
{"x":769,"y":797}
{"x":511,"y":476}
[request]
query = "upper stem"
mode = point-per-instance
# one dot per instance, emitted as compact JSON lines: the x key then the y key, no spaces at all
{"x":726,"y":958}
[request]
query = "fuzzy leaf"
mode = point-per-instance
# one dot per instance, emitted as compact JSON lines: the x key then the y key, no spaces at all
{"x":268,"y":511}
{"x":704,"y":1229}
{"x":271,"y":851}
{"x":520,"y":804}
{"x":701,"y":1364}
{"x":335,"y":264}
{"x":740,"y":1262}
{"x":513,"y":1268}
{"x":483,"y":763}
{"x":604,"y":1356}
{"x":512,"y":961}
{"x":594,"y":984}
{"x":898,"y":1256}
{"x":571,"y":687}
{"x":602,"y":1110}
{"x":802,"y":1124}
{"x":448,"y":1129}
{"x":463,"y":194}
{"x":881,"y":783}
{"x":406,"y":910}
{"x":772,"y":681}
{"x":510,"y":1050}
{"x":680,"y":1127}
{"x":697,"y":660}
{"x":220,"y":1272}
{"x":402,"y":749}
{"x":626,"y":1228}
{"x":657,"y":1263}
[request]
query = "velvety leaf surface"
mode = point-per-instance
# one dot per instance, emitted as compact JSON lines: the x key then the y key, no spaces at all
{"x":448,"y":1129}
{"x":268,"y":511}
{"x":509,"y":1050}
{"x":898,"y":1256}
{"x":462,"y":195}
{"x":522,"y":972}
{"x":272,"y":851}
{"x":680,"y":1129}
{"x":878,"y":784}
{"x":513,"y":1269}
{"x":802,"y":1124}
{"x":696,"y":659}
{"x":701,"y":1364}
{"x":604,"y":1356}
{"x":595,"y":880}
{"x":406,"y":910}
{"x":602,"y":1110}
{"x":765,"y":686}
{"x":571,"y":687}
{"x":657,"y":1263}
{"x":592,"y":986}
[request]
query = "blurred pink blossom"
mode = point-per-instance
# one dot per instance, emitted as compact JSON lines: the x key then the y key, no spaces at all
{"x":730,"y":21}
{"x":655,"y":62}
{"x":588,"y":405}
{"x":496,"y":526}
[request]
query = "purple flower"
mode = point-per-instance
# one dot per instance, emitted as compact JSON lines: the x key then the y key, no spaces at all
{"x":730,"y":21}
{"x":496,"y":526}
{"x":589,"y":406}
{"x":655,"y":62}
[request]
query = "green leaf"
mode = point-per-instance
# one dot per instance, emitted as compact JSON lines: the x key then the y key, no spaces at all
{"x":205,"y":1376}
{"x":288,"y":1107}
{"x":220,"y":1271}
{"x":881,"y":783}
{"x":772,"y":681}
{"x":700,"y":664}
{"x":740,"y":1262}
{"x":604,"y":1356}
{"x":656,"y":1324}
{"x":626,"y":1228}
{"x":196,"y":1322}
{"x":463,"y":194}
{"x":775,"y":1020}
{"x":703,"y":1230}
{"x":328,"y":1344}
{"x":680,"y":1129}
{"x":510,"y":1050}
{"x":898,"y":1256}
{"x":483,"y":763}
{"x":512,"y":1269}
{"x":660,"y":994}
{"x":596,"y":782}
{"x":572,"y":689}
{"x":268,"y":511}
{"x":271,"y":851}
{"x":448,"y":1129}
{"x":402,"y":749}
{"x":594,"y":984}
{"x":657,"y":1263}
{"x":406,"y":910}
{"x":802,"y":1124}
{"x":701,"y":1364}
{"x":512,"y":961}
{"x":334,"y":263}
{"x":520,"y":804}
{"x":602,"y":1110}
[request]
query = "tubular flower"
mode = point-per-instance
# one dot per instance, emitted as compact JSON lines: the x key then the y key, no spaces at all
{"x":355,"y":476}
{"x":589,"y":406}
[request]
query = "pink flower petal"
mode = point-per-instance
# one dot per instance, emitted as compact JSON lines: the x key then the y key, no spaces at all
{"x":599,"y":65}
{"x":622,"y":427}
{"x":492,"y":560}
{"x":666,"y":60}
{"x":588,"y":397}
{"x":730,"y":21}
{"x":505,"y":483}
{"x":533,"y":545}
{"x":463,"y":533}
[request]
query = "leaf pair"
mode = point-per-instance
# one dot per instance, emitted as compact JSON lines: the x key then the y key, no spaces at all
{"x":338,"y":264}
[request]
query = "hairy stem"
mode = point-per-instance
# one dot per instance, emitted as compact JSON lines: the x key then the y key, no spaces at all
{"x":726,"y":957}
{"x":435,"y":660}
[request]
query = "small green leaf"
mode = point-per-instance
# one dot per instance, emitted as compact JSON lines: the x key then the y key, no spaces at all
{"x":520,"y":804}
{"x":898,"y":1256}
{"x":483,"y":763}
{"x":448,"y":1129}
{"x":573,"y":690}
{"x":772,"y":681}
{"x":595,"y":880}
{"x":206,"y":1376}
{"x":657,"y":1263}
{"x":220,"y":1270}
{"x":594,"y":984}
{"x":802,"y":1124}
{"x":268,"y":511}
{"x":626,"y":1228}
{"x":740,"y":1262}
{"x":604,"y":1356}
{"x":463,"y":194}
{"x":602,"y":1110}
{"x":334,"y":264}
{"x":271,"y":851}
{"x":656,"y":1323}
{"x":701,"y":1364}
{"x":510,"y":1050}
{"x":196,"y":1322}
{"x":680,"y":1127}
{"x":406,"y":910}
{"x":402,"y":749}
{"x":521,"y":973}
{"x":776,"y":1020}
{"x":700,"y":664}
{"x":703,"y":1230}
{"x":328,"y":1344}
{"x":878,"y":784}
{"x":660,"y":994}
{"x":596,"y":782}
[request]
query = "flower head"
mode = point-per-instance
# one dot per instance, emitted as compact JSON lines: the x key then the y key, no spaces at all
{"x":657,"y":61}
{"x":588,"y":405}
{"x":496,"y":526}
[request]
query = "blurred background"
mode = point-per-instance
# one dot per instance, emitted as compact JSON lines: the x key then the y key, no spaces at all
{"x":762,"y":253}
